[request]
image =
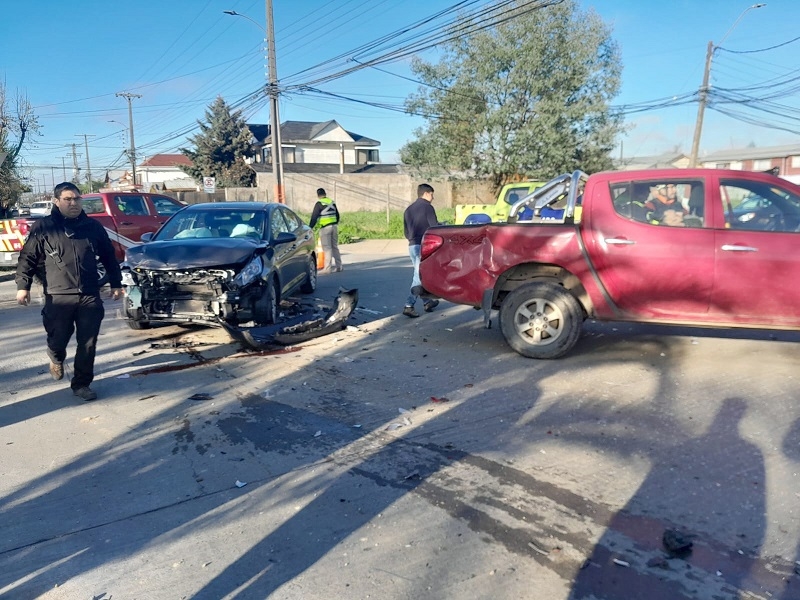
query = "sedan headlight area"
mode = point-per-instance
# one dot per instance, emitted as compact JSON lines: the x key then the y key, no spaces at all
{"x":128,"y":278}
{"x":249,"y":274}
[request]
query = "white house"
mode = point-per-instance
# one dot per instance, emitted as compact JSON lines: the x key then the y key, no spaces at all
{"x":321,"y":144}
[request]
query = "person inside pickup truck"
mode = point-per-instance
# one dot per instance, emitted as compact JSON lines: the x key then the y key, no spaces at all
{"x":663,"y":207}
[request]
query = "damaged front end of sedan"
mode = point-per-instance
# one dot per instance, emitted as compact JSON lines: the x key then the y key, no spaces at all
{"x":234,"y":293}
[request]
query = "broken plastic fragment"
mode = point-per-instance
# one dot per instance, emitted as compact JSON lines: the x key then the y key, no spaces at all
{"x":319,"y":433}
{"x":404,"y":411}
{"x":200,"y":396}
{"x":240,"y":484}
{"x":621,"y":563}
{"x":393,"y":426}
{"x":442,"y":399}
{"x":124,"y":376}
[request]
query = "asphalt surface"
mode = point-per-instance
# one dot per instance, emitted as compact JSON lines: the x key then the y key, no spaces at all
{"x":400,"y":458}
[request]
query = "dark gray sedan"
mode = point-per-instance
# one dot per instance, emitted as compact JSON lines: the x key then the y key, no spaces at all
{"x":227,"y":261}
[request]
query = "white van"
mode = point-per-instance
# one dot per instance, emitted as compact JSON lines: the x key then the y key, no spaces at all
{"x":41,"y":209}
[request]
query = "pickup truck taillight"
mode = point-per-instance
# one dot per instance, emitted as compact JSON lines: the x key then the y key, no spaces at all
{"x":430,"y":244}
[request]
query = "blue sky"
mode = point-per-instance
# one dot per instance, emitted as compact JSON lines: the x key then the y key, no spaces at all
{"x":71,"y":58}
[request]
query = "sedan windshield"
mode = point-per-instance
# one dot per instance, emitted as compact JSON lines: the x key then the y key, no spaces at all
{"x":213,"y":224}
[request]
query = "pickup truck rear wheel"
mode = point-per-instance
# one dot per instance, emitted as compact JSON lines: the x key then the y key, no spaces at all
{"x":541,"y":320}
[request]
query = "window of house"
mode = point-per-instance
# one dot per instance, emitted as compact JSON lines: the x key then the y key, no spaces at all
{"x":795,"y":160}
{"x":762,"y":165}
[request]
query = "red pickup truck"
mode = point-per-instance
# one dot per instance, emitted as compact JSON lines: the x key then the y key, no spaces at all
{"x":701,"y":247}
{"x":125,"y":215}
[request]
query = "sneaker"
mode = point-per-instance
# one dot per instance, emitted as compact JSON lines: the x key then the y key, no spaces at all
{"x":410,"y":312}
{"x":57,"y":370}
{"x":86,"y":393}
{"x":430,"y":305}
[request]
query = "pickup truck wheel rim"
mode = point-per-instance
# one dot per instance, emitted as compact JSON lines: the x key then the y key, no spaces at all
{"x":539,"y":322}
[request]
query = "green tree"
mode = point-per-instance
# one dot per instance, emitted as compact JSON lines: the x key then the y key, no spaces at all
{"x":220,"y":148}
{"x":527,"y":97}
{"x":17,"y":123}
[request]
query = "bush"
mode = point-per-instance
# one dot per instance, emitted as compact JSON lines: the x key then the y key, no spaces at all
{"x":365,"y":225}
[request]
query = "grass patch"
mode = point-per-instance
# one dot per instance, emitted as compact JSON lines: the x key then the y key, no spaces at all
{"x":363,"y":225}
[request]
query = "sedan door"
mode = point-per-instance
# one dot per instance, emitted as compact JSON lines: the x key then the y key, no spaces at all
{"x":284,"y":252}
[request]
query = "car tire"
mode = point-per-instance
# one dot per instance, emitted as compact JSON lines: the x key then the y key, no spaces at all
{"x":541,"y":320}
{"x":310,"y":283}
{"x":136,"y":321}
{"x":102,"y":275}
{"x":265,"y":310}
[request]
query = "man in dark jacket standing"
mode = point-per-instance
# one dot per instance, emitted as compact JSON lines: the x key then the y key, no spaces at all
{"x":417,"y":218}
{"x":62,"y":249}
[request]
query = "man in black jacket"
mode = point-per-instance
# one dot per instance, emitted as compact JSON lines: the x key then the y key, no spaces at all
{"x":419,"y":215}
{"x":62,"y":249}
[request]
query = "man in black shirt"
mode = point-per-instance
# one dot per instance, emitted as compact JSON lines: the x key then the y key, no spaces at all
{"x":62,"y":249}
{"x":417,"y":218}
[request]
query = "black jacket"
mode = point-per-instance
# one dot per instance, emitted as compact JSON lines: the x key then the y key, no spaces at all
{"x":64,"y":253}
{"x":419,"y":215}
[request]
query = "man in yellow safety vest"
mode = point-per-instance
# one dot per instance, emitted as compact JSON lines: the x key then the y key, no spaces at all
{"x":326,"y":215}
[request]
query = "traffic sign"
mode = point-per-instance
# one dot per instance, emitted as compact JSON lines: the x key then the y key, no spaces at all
{"x":209,"y":185}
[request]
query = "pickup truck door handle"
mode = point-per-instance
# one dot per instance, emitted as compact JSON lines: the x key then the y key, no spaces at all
{"x":618,"y":241}
{"x":734,"y":248}
{"x":126,"y":223}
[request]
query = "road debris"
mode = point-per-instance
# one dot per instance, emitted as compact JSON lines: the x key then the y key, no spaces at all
{"x":676,"y":542}
{"x":200,"y":396}
{"x":621,"y":563}
{"x":240,"y":484}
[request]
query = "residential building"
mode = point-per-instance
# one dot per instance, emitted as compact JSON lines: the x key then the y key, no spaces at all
{"x":315,"y":147}
{"x":668,"y":160}
{"x":785,"y":158}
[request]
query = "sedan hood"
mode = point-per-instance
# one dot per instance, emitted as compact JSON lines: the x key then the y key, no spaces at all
{"x":191,"y":253}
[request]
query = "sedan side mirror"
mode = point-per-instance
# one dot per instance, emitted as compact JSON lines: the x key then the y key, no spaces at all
{"x":146,"y":237}
{"x":284,"y":237}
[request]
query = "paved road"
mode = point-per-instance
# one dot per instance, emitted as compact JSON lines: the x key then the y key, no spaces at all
{"x":400,"y":459}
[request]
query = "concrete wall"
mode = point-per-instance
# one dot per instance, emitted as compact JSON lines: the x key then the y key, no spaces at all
{"x":351,"y":191}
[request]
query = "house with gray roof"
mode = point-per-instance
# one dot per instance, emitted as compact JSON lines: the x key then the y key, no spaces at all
{"x":310,"y":147}
{"x":786,"y":159}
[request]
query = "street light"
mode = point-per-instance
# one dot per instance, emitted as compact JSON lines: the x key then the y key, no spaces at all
{"x":272,"y":92}
{"x":701,"y":107}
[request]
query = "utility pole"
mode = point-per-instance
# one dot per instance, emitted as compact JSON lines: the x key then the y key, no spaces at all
{"x":75,"y":168}
{"x":701,"y":108}
{"x":275,"y":121}
{"x":703,"y":100}
{"x":53,"y":175}
{"x":88,"y":166}
{"x":64,"y":166}
{"x":132,"y":152}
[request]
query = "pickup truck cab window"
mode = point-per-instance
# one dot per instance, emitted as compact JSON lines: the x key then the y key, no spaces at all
{"x":166,"y":206}
{"x":757,"y":206}
{"x":93,"y":205}
{"x":131,"y":205}
{"x":675,"y":203}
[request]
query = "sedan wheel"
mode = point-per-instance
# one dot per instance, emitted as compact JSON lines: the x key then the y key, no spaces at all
{"x":310,"y":283}
{"x":266,"y":307}
{"x":541,"y":320}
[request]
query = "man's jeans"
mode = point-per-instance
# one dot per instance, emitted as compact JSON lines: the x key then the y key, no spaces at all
{"x":414,"y":253}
